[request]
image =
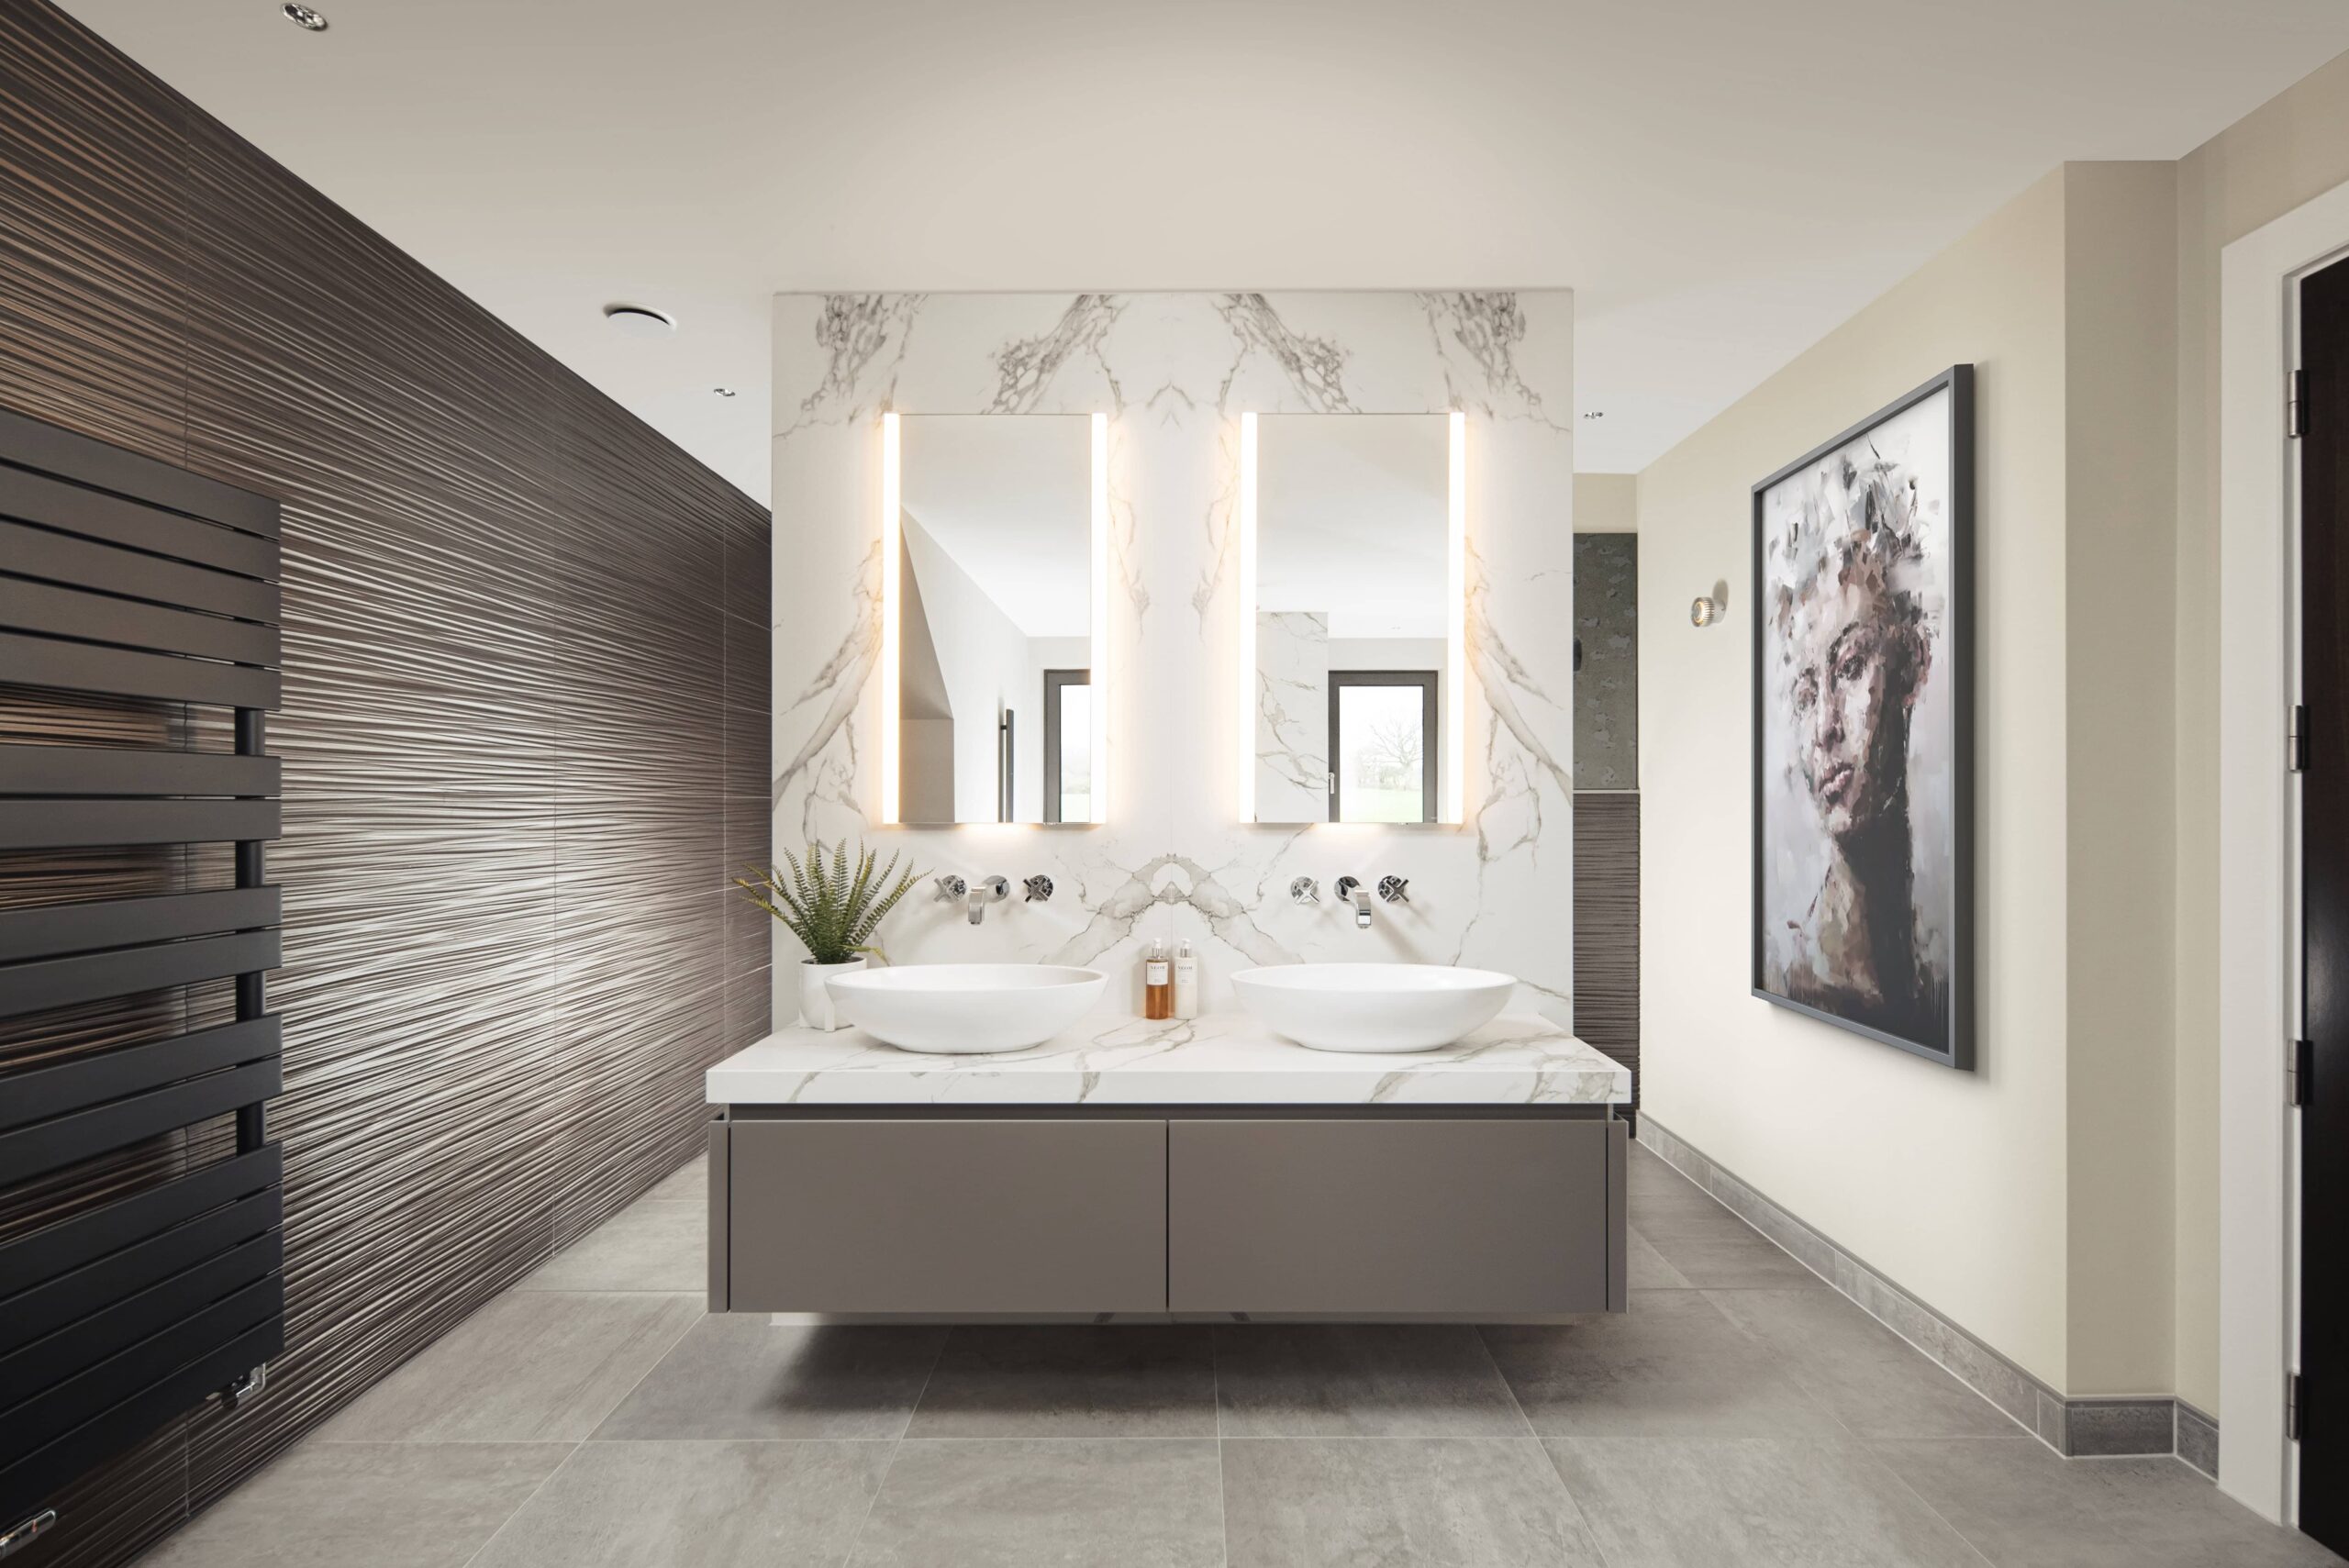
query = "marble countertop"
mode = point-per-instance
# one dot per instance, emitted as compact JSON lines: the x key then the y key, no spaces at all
{"x":1225,"y":1058}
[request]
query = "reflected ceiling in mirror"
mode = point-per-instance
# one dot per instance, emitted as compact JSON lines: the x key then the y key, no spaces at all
{"x":993,"y":538}
{"x":1352,"y":582}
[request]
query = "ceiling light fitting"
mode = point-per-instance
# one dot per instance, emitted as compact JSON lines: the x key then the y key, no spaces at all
{"x":304,"y":17}
{"x":640,"y":320}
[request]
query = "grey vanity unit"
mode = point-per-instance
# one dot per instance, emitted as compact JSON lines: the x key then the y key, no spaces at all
{"x":1199,"y":1170}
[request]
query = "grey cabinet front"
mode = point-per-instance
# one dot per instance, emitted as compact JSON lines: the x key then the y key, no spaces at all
{"x":1469,"y":1217}
{"x":947,"y":1216}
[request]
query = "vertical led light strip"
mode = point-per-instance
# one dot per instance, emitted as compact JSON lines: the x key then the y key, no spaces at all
{"x":1098,"y":675}
{"x":892,"y":547}
{"x":1246,"y":705}
{"x":1455,"y":627}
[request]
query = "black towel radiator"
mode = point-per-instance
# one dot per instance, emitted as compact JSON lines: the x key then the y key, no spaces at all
{"x":126,"y":577}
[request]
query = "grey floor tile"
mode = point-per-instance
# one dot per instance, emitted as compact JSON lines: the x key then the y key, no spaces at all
{"x":1877,"y":1383}
{"x":530,"y":1366}
{"x":2021,"y":1505}
{"x":1079,"y":1381}
{"x":1120,"y":1503}
{"x":356,"y":1505}
{"x":1673,"y":1365}
{"x":1698,"y":1237}
{"x":737,"y":1375}
{"x":1745,"y":1261}
{"x":1429,"y":1502}
{"x":1751,"y":1502}
{"x":689,"y":1183}
{"x":1648,"y":1269}
{"x":653,"y":1244}
{"x":695,"y":1505}
{"x":1278,"y":1380}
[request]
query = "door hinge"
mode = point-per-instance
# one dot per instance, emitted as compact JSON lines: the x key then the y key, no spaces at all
{"x":2296,"y":402}
{"x":2296,"y":1408}
{"x":26,"y":1531}
{"x":2299,"y":1068}
{"x":2296,"y":741}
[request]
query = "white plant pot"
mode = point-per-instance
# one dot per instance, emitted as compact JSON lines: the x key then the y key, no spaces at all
{"x":816,"y":1009}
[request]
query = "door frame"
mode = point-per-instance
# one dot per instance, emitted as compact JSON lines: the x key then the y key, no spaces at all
{"x":2258,"y":909}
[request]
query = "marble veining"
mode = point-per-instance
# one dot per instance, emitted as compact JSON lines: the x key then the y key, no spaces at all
{"x":1219,"y":1059}
{"x":1175,"y":372}
{"x":1292,"y":715}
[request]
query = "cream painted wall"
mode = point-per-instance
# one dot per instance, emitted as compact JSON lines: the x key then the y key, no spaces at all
{"x":1607,"y":503}
{"x":2294,"y":148}
{"x":2120,"y":506}
{"x":1951,"y":1184}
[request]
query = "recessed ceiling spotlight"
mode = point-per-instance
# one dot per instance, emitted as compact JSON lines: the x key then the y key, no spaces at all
{"x":304,"y":17}
{"x":723,"y":391}
{"x":1595,"y":414}
{"x":640,"y":320}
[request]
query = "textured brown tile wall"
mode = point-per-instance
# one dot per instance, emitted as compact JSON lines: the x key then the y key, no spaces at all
{"x":1607,"y":924}
{"x":525,"y":735}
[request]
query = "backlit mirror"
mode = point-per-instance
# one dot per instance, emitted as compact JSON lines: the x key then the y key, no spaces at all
{"x":994,"y":655}
{"x":1354,"y":616}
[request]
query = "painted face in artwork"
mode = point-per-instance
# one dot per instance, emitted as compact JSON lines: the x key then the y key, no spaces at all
{"x":1854,"y":678}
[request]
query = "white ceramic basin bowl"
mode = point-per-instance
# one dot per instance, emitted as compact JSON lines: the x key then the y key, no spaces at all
{"x":1373,"y":1006}
{"x":956,"y":1008}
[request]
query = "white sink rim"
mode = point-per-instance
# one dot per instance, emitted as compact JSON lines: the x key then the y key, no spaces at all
{"x":1373,"y":1008}
{"x":958,"y":1009}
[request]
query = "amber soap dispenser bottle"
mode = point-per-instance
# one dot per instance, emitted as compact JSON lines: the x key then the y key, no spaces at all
{"x":1157,"y":983}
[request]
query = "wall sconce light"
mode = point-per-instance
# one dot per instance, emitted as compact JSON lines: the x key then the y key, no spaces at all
{"x":1710,"y":609}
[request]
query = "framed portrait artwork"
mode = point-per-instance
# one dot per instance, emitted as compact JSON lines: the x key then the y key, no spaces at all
{"x":1862,"y":727}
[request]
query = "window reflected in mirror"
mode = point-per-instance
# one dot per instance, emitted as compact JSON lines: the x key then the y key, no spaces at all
{"x":1351,"y":570}
{"x":990,"y":624}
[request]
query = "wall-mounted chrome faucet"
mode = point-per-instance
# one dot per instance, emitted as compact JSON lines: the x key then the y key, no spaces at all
{"x":990,"y":890}
{"x":1305,"y":890}
{"x":1352,"y":891}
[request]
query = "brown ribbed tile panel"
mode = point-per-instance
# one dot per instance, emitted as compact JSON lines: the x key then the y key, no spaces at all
{"x":1607,"y":925}
{"x":525,"y":727}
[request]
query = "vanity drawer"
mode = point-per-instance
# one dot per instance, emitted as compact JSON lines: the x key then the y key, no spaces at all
{"x":1470,"y":1217}
{"x":947,"y":1216}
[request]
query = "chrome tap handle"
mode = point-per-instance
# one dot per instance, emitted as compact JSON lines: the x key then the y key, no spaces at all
{"x":1390,"y":888}
{"x":1305,"y":890}
{"x":1039,"y":889}
{"x":952,"y":887}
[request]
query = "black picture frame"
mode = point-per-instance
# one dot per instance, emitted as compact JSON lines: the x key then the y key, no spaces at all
{"x":1425,"y":681}
{"x":1957,"y":381}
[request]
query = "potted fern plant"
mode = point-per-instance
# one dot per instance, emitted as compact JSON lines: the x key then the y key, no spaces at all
{"x":833,"y":906}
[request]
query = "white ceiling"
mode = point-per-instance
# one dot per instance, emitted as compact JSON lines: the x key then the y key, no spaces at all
{"x":1351,"y":520}
{"x":1009,"y":499}
{"x":1722,"y":181}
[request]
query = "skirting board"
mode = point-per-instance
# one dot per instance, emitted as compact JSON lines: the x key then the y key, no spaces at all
{"x":2078,"y":1428}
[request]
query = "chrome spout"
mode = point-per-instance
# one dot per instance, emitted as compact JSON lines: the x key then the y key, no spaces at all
{"x":986,"y":890}
{"x":1352,"y":891}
